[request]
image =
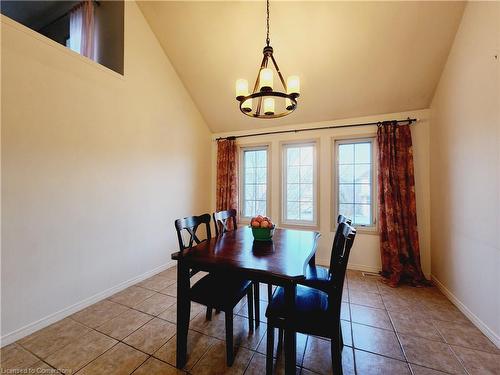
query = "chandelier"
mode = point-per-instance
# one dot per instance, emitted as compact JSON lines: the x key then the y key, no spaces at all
{"x":266,"y":101}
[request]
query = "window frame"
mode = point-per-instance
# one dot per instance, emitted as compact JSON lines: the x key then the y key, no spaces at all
{"x":299,"y":224}
{"x":253,"y":147}
{"x":362,"y":138}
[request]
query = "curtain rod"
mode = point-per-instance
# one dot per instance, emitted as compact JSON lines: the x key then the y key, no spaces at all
{"x":408,"y":120}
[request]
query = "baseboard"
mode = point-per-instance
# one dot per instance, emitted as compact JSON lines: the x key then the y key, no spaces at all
{"x":350,"y":266}
{"x":61,"y":314}
{"x":469,"y":314}
{"x":362,"y":267}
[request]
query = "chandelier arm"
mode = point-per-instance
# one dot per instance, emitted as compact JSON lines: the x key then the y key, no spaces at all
{"x":279,"y":73}
{"x":265,"y":62}
{"x":259,"y":106}
{"x":262,"y":65}
{"x":256,"y":86}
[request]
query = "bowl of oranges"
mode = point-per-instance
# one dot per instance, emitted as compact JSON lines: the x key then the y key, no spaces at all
{"x":262,"y":228}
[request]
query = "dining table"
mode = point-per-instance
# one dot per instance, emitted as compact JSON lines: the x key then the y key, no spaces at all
{"x":281,"y":261}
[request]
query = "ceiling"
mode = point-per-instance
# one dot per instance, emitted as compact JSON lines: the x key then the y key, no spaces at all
{"x":353,"y":58}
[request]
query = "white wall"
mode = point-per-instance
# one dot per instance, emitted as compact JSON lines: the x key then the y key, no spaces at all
{"x":465,"y":170}
{"x":365,"y":254}
{"x":95,"y":167}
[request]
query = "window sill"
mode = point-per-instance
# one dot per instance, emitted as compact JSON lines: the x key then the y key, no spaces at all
{"x":309,"y":227}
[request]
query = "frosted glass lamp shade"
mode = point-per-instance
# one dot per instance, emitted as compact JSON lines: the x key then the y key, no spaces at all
{"x":293,"y":85}
{"x":266,"y":79}
{"x":269,"y":106}
{"x":247,"y":105}
{"x":241,"y":88}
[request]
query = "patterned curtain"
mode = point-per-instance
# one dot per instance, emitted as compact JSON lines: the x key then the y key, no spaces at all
{"x":227,"y":175}
{"x":397,"y":206}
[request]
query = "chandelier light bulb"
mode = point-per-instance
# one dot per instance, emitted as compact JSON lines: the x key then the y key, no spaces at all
{"x":266,"y":79}
{"x":293,"y":85}
{"x":269,"y":106}
{"x":241,"y":88}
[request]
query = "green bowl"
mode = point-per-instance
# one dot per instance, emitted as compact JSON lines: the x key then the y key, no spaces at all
{"x":262,"y":234}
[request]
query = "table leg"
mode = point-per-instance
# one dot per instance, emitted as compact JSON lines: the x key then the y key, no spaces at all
{"x":256,"y":295}
{"x":290,"y":336}
{"x":183,"y":313}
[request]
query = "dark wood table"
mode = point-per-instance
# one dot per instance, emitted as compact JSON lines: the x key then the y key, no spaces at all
{"x":280,"y":262}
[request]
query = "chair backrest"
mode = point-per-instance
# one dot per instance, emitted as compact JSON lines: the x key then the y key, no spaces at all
{"x":334,"y":254}
{"x":190,"y":224}
{"x":224,"y":221}
{"x":343,"y":248}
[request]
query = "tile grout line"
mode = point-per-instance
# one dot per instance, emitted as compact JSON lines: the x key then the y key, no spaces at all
{"x":250,"y":361}
{"x":38,"y":357}
{"x":253,"y":351}
{"x":404,"y":351}
{"x":350,"y":324}
{"x":399,"y":341}
{"x":459,"y":359}
{"x":304,"y":353}
{"x":122,"y":340}
{"x":398,"y":338}
{"x":199,"y":359}
{"x":135,"y":369}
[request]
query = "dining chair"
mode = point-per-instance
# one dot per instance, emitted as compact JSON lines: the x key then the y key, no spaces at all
{"x":318,"y":276}
{"x":216,"y":290}
{"x":316,"y":311}
{"x":223,"y":221}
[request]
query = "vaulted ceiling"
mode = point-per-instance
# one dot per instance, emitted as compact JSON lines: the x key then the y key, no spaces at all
{"x":353,"y":58}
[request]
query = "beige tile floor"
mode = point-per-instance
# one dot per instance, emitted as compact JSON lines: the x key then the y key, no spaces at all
{"x":386,"y":331}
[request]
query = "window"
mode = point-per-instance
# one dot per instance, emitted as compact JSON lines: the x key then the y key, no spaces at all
{"x":254,"y":182}
{"x":299,"y":184}
{"x":355,"y":180}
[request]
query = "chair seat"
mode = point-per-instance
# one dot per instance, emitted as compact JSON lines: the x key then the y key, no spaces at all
{"x":310,"y":315}
{"x":219,"y":291}
{"x":317,"y":277}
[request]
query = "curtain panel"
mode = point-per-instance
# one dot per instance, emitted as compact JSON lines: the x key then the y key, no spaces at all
{"x":81,"y":29}
{"x":227,"y":175}
{"x":399,"y":244}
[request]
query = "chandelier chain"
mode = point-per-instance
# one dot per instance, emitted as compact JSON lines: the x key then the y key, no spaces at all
{"x":268,"y":41}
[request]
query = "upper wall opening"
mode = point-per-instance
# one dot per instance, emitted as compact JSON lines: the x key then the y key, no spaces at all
{"x":94,"y":29}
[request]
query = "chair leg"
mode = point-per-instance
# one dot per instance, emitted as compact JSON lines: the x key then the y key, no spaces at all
{"x":336,"y":352}
{"x":256,"y":295}
{"x":269,"y":292}
{"x":280,"y":339}
{"x":270,"y":349}
{"x":250,"y":309}
{"x":229,"y":338}
{"x":209,"y":313}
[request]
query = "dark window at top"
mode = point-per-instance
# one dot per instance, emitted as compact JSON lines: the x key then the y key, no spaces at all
{"x":52,"y":19}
